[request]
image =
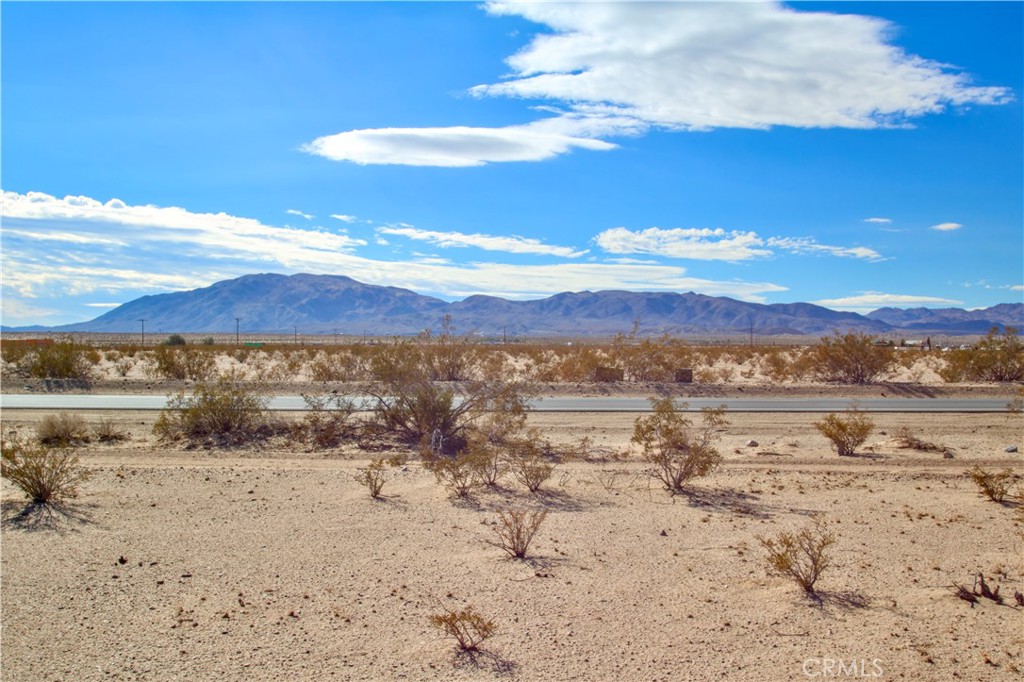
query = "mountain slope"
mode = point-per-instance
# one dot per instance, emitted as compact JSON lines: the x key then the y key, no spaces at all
{"x":273,"y":303}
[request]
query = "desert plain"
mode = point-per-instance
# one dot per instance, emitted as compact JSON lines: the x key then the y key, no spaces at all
{"x":272,"y":562}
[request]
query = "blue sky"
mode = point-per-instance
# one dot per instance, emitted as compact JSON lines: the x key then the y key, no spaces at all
{"x":855,"y":155}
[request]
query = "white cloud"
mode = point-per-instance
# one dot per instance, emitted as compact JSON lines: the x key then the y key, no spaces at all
{"x":510,"y":244}
{"x":946,"y":227}
{"x":102,"y":305}
{"x":169,"y":249}
{"x":698,"y":66}
{"x":344,"y":218}
{"x":1015,"y":287}
{"x":872,"y":300}
{"x":620,"y":68}
{"x":693,"y":243}
{"x":717,"y":244}
{"x":452,"y":147}
{"x":293,"y":211}
{"x":807,"y":245}
{"x":878,"y":221}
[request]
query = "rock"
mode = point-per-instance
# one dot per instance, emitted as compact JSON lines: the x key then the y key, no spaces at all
{"x":752,"y":443}
{"x":947,"y":455}
{"x":1011,"y":448}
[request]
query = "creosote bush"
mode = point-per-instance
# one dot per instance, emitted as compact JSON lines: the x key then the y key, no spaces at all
{"x":455,"y":472}
{"x":850,"y":359}
{"x":678,"y":450}
{"x":373,"y":477}
{"x":226,"y":411}
{"x":62,"y":360}
{"x":528,"y":464}
{"x":62,"y":430}
{"x":468,"y":627}
{"x":46,"y":475}
{"x":995,"y":485}
{"x":847,"y":431}
{"x":997,"y":357}
{"x":801,"y":556}
{"x":106,"y":431}
{"x":327,"y":422}
{"x":516,"y":528}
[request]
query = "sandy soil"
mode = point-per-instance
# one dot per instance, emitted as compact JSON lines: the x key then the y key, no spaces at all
{"x":275,"y":564}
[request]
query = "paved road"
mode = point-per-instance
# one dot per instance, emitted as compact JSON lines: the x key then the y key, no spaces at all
{"x":551,"y":404}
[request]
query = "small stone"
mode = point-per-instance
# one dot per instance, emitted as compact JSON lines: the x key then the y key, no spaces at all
{"x":947,"y":455}
{"x":752,"y":443}
{"x":1011,"y":448}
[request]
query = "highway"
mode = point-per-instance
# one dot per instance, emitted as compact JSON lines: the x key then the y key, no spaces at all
{"x":550,"y":404}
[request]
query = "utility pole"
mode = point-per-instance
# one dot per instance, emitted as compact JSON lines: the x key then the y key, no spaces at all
{"x":143,"y":331}
{"x":296,"y":336}
{"x":237,"y":323}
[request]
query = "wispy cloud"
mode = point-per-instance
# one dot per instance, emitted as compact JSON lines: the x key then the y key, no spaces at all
{"x":718,"y":244}
{"x":946,"y":227}
{"x":102,"y":305}
{"x":878,"y":221}
{"x":509,"y":244}
{"x":809,"y":246}
{"x":621,"y":68}
{"x":293,"y":211}
{"x":344,"y":218}
{"x":136,"y":250}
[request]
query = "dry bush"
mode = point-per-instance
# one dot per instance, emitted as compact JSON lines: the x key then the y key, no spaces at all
{"x":997,"y":357}
{"x":484,"y":459}
{"x":516,"y":529}
{"x":184,"y":363}
{"x":45,"y":475}
{"x":469,"y":628}
{"x":645,"y":360}
{"x":227,"y":412}
{"x":62,"y":430}
{"x":528,"y":464}
{"x":678,"y":450}
{"x":775,"y":365}
{"x":408,"y":403}
{"x":850,"y":359}
{"x":106,"y":431}
{"x":802,"y":556}
{"x":455,"y":472}
{"x":847,"y":431}
{"x":62,"y":360}
{"x":906,"y":439}
{"x":327,"y":422}
{"x":449,"y":357}
{"x":373,"y":477}
{"x":995,"y":485}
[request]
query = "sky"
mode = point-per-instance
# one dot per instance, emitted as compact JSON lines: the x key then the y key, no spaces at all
{"x":851,"y":154}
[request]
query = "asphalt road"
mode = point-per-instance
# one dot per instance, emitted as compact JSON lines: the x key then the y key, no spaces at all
{"x":551,"y":404}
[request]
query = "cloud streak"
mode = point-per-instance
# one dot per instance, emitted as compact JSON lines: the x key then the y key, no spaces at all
{"x":510,"y":244}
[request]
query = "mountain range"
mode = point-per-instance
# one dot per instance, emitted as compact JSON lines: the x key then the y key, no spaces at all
{"x":273,"y":303}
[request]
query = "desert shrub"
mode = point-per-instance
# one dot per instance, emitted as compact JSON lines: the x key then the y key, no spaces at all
{"x":226,"y":411}
{"x":373,"y":477}
{"x":576,"y":364}
{"x":850,"y":359}
{"x":516,"y":529}
{"x":123,"y":366}
{"x":455,"y":472}
{"x":801,"y":556}
{"x":207,"y":341}
{"x":775,"y":364}
{"x":334,"y":366}
{"x":997,"y":357}
{"x":327,"y":422}
{"x":174,"y":340}
{"x":406,"y":402}
{"x":183,"y":363}
{"x":447,"y":356}
{"x":46,"y":475}
{"x":678,"y":450}
{"x":906,"y":439}
{"x":469,"y":628}
{"x":62,"y":430}
{"x":61,"y":360}
{"x":106,"y":431}
{"x":995,"y":485}
{"x":527,"y":462}
{"x":646,"y":360}
{"x":484,"y":459}
{"x":847,"y":431}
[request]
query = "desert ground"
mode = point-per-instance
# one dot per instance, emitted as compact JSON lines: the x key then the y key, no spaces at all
{"x":274,"y":563}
